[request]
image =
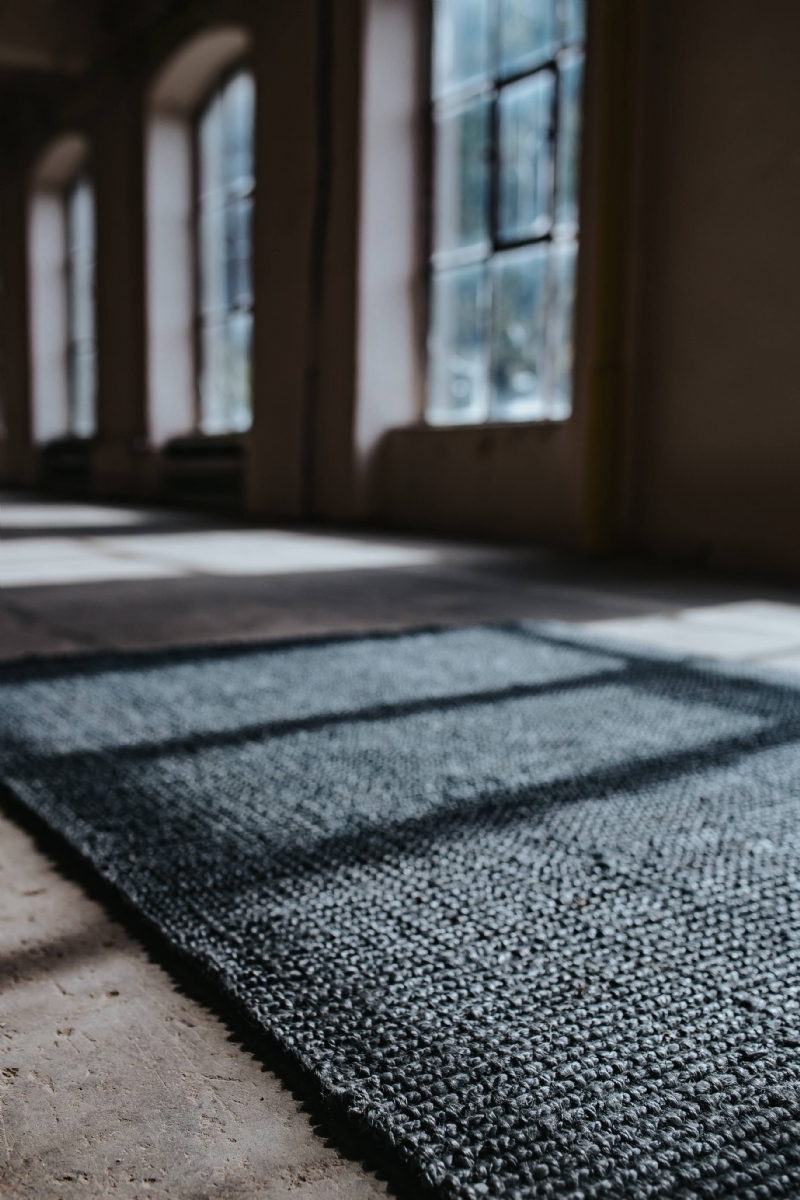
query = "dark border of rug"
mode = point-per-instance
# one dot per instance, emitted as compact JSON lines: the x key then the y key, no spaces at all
{"x":93,"y":661}
{"x":352,"y":1137}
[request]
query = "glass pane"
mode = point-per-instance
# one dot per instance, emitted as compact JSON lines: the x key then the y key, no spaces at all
{"x":82,"y":389}
{"x":212,"y":377}
{"x":458,"y":385}
{"x":240,"y":337}
{"x":519,"y":328}
{"x":564,"y":260}
{"x":213,"y":259}
{"x":80,"y":219}
{"x":239,"y":106}
{"x":526,"y":171}
{"x":462,"y":178}
{"x":568,"y":143}
{"x":212,"y":150}
{"x":80,"y":254}
{"x":237,"y":234}
{"x":461,"y":43}
{"x":81,"y":353}
{"x":81,"y":297}
{"x":225,"y":387}
{"x":573,"y":20}
{"x":225,"y":253}
{"x":528,"y":34}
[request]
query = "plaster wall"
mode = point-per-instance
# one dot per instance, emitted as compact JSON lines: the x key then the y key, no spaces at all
{"x":117,"y":166}
{"x":18,"y":457}
{"x":332,"y":399}
{"x":286,"y":170}
{"x":514,"y":480}
{"x":718,"y":390}
{"x":393,"y":210}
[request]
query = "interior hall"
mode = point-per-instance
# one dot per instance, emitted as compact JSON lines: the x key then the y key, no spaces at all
{"x":399,"y":599}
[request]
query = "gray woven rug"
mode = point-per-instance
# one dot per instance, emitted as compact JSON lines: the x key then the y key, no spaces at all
{"x":524,"y":906}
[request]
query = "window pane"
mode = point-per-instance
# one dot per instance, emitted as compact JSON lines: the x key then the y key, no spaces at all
{"x":225,"y":144}
{"x":212,"y":377}
{"x":462,"y":178}
{"x":573,"y":20}
{"x":561,"y":338}
{"x":240,"y":337}
{"x":81,"y":294}
{"x":238,"y":227}
{"x":212,"y":259}
{"x":569,"y":137}
{"x":82,"y":373}
{"x":80,"y":220}
{"x":239,"y":106}
{"x":526,"y":171}
{"x":528,"y":34}
{"x":212,"y":151}
{"x":519,"y":368}
{"x":461,"y":43}
{"x":458,"y":346}
{"x":225,"y":374}
{"x":507,"y":80}
{"x":81,"y":351}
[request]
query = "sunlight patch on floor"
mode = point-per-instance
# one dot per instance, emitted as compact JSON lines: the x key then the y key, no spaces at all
{"x":755,"y":631}
{"x":22,"y":515}
{"x":62,"y":560}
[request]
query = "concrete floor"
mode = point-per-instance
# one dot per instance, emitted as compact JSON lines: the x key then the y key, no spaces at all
{"x":112,"y":1081}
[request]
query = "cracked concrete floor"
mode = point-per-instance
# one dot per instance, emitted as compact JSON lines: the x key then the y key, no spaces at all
{"x":112,"y":1082}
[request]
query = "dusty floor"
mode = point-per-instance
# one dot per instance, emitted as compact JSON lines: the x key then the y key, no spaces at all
{"x":112,"y":1082}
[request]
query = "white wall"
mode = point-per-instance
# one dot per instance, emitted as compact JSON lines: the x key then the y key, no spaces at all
{"x":56,"y":168}
{"x":48,"y":314}
{"x":170,"y":253}
{"x":390,"y":360}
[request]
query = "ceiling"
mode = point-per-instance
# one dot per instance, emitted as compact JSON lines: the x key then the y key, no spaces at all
{"x":67,"y":37}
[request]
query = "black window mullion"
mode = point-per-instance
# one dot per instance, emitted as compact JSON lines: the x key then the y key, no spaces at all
{"x":554,"y":147}
{"x":494,"y":172}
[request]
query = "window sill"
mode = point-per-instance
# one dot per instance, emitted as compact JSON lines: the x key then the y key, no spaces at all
{"x":492,"y":426}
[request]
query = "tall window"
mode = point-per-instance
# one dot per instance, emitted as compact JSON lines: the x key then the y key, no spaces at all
{"x":81,"y":344}
{"x":225,"y":295}
{"x":506,"y":108}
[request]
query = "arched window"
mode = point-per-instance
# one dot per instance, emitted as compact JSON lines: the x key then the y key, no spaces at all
{"x":61,"y":255}
{"x":199,"y":195}
{"x":225,"y":193}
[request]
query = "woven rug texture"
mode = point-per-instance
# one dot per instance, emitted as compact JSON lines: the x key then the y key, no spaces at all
{"x":523,"y":905}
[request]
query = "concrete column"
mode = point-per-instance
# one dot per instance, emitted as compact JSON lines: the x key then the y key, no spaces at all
{"x":302,"y":457}
{"x":286,"y":171}
{"x":608,"y":233}
{"x":117,"y":169}
{"x":333,"y":349}
{"x":18,"y":457}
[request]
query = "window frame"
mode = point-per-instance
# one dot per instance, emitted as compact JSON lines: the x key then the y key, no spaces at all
{"x":239,"y":66}
{"x":491,"y":87}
